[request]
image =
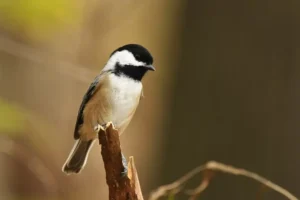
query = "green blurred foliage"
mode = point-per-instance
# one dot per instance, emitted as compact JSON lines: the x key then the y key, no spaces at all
{"x":38,"y":19}
{"x":171,"y":197}
{"x":15,"y":121}
{"x":12,"y":120}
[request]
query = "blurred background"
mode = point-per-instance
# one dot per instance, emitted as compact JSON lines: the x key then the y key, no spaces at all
{"x":226,"y":88}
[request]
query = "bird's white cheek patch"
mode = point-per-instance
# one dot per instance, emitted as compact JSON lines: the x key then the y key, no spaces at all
{"x":123,"y":58}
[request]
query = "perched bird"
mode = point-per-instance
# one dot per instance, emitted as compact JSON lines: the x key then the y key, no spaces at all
{"x":112,"y":97}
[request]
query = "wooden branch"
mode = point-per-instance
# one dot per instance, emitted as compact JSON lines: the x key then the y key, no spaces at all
{"x":178,"y":185}
{"x":120,"y":187}
{"x":133,"y":176}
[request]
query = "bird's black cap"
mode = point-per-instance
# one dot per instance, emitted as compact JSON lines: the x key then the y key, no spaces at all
{"x":140,"y":53}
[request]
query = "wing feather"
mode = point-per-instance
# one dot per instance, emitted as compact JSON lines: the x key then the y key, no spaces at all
{"x":88,"y":95}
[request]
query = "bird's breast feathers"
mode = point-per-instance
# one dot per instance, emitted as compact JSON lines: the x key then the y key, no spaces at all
{"x":115,"y":99}
{"x":124,"y":95}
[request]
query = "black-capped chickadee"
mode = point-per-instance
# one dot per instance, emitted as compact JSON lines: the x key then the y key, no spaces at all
{"x":112,"y":97}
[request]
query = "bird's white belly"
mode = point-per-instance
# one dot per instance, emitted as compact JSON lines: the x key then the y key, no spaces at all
{"x":124,"y":98}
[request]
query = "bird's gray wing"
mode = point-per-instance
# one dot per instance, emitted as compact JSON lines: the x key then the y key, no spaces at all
{"x":88,"y":95}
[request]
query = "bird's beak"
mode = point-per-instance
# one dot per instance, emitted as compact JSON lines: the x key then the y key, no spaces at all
{"x":150,"y":67}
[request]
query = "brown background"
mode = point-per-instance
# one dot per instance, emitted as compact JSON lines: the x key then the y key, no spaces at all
{"x":225,"y":89}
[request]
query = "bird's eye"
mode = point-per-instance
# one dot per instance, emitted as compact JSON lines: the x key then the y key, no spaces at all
{"x":137,"y":56}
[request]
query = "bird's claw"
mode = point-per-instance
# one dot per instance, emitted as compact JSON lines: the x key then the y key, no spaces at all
{"x":97,"y":128}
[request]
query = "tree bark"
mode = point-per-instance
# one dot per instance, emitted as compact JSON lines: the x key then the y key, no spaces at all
{"x":120,"y":187}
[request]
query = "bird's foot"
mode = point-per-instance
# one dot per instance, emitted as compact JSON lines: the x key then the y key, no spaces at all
{"x":97,"y":128}
{"x":125,"y":166}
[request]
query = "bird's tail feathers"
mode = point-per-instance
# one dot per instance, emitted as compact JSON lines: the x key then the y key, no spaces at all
{"x":78,"y":156}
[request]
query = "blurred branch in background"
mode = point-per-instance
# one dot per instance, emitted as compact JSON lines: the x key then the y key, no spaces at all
{"x":211,"y":166}
{"x":23,"y":51}
{"x":105,"y":11}
{"x":49,"y":53}
{"x":231,"y":68}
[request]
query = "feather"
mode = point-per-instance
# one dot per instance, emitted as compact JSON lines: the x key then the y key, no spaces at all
{"x":88,"y":95}
{"x":110,"y":98}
